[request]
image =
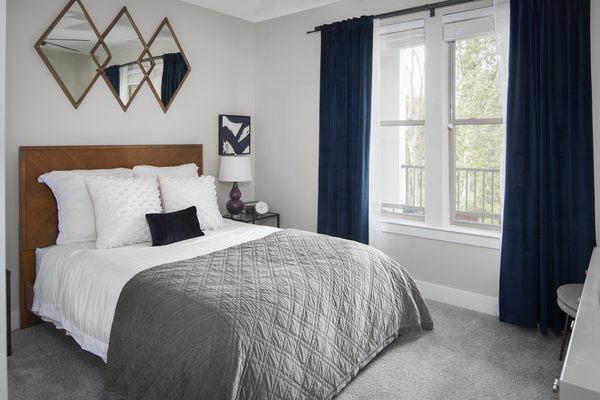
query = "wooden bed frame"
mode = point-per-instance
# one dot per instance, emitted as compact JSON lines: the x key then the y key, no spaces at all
{"x":38,"y":222}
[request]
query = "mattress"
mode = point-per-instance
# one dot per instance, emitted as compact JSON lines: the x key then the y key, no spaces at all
{"x":77,"y":286}
{"x":40,"y":252}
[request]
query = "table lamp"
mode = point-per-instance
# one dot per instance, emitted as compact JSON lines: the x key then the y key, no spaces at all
{"x":235,"y":169}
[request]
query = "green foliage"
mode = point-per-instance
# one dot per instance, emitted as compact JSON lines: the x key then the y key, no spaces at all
{"x":477,"y":146}
{"x":477,"y":96}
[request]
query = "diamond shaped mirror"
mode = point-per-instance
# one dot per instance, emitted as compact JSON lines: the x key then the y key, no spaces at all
{"x":123,"y":73}
{"x":167,"y":65}
{"x":66,"y":49}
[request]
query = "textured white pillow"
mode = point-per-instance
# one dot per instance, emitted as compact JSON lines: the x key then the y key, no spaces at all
{"x":180,"y":193}
{"x":180,"y":171}
{"x":120,"y":208}
{"x":75,"y":211}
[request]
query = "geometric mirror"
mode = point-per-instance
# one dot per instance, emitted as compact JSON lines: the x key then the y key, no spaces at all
{"x":166,"y":65}
{"x":66,"y":49}
{"x":123,"y":72}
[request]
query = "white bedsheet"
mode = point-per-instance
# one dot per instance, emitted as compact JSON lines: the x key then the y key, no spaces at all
{"x":40,"y":252}
{"x":78,"y":286}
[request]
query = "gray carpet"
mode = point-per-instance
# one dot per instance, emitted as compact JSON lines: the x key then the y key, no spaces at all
{"x":467,"y":356}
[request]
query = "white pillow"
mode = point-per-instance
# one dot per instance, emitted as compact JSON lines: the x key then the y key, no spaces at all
{"x":180,"y":193}
{"x":181,"y":171}
{"x":120,"y":208}
{"x":75,"y":211}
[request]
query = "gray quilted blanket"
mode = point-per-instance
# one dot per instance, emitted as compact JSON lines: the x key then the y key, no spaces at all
{"x":294,"y":315}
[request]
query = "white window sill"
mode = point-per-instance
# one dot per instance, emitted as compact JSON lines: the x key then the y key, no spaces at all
{"x":453,"y":234}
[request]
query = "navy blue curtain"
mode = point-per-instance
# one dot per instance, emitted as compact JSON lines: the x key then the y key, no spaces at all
{"x":174,"y":70}
{"x":344,"y":128}
{"x":548,"y":229}
{"x":114,"y":76}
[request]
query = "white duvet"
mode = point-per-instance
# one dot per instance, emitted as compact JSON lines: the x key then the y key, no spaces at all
{"x":77,"y":286}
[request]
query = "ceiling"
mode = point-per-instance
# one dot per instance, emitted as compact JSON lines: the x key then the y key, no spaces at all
{"x":260,"y":10}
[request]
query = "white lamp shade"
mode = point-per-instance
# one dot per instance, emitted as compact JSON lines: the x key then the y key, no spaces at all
{"x":235,"y":169}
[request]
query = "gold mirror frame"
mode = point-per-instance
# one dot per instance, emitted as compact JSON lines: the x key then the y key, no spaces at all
{"x":38,"y":47}
{"x":125,"y":12}
{"x":165,"y":22}
{"x":146,"y":56}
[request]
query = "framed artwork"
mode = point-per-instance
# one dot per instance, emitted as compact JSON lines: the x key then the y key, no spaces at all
{"x":234,"y":135}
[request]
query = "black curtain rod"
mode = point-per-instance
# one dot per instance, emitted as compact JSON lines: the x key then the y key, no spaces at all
{"x":426,"y":7}
{"x":143,"y":60}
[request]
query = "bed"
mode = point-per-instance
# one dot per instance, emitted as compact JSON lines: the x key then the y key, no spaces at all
{"x":80,"y":285}
{"x":244,"y":312}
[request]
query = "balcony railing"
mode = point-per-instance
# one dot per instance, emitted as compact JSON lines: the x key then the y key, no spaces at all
{"x":414,"y":186}
{"x":476,"y":198}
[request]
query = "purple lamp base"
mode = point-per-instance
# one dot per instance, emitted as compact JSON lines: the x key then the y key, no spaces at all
{"x":235,"y":205}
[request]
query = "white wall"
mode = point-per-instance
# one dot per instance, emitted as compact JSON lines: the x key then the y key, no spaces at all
{"x":220,"y":50}
{"x":3,"y":316}
{"x":287,"y":109}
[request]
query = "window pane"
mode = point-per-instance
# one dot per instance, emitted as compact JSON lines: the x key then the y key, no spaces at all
{"x":477,"y":194}
{"x":403,"y":170}
{"x":476,"y":66}
{"x":403,"y":83}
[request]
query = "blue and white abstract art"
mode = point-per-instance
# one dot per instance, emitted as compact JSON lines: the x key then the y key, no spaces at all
{"x":234,"y":135}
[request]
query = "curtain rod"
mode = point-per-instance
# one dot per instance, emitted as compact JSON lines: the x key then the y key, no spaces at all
{"x":143,"y":60}
{"x":426,"y":7}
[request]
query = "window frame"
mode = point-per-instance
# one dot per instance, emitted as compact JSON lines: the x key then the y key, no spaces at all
{"x":408,"y":123}
{"x":452,"y":123}
{"x":438,"y":221}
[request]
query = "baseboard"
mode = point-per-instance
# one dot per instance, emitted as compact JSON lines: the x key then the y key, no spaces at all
{"x":460,"y":298}
{"x":15,"y":320}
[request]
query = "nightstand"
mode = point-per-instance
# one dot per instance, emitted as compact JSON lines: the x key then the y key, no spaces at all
{"x":253,"y":218}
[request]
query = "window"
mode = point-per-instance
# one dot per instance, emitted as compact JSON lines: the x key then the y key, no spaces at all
{"x":476,"y":132}
{"x":156,"y":74}
{"x":459,"y":116}
{"x":131,"y":76}
{"x":402,"y":61}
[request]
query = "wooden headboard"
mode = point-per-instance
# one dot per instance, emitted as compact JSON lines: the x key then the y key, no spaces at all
{"x":38,"y":223}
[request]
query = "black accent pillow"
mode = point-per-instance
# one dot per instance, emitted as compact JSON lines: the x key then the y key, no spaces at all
{"x":174,"y":227}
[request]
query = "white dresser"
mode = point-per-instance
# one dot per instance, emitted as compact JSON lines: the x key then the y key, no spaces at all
{"x":580,"y":377}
